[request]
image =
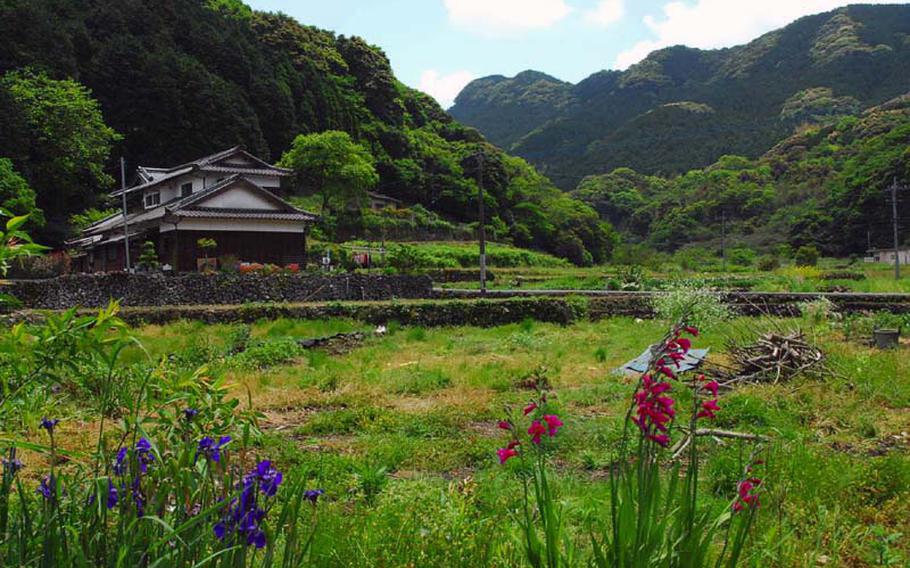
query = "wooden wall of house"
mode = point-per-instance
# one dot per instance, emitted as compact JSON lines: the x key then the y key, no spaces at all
{"x":180,"y":248}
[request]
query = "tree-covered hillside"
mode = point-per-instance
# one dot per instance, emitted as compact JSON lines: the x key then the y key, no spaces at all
{"x":166,"y":81}
{"x":824,"y":186}
{"x":683,"y":108}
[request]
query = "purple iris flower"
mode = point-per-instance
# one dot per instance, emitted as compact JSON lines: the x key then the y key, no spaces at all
{"x":243,"y":517}
{"x":46,"y":488}
{"x":12,"y":466}
{"x":138,"y":497}
{"x":120,"y":462}
{"x":268,"y":477}
{"x":210,"y":449}
{"x":112,"y":495}
{"x":190,"y":413}
{"x":312,"y":495}
{"x":49,"y":424}
{"x":144,"y":454}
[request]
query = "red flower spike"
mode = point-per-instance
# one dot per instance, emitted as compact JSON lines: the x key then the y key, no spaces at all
{"x":712,"y":388}
{"x":536,"y":430}
{"x":531,"y":407}
{"x":553,"y":424}
{"x":709,"y":408}
{"x":661,"y":439}
{"x":505,"y":454}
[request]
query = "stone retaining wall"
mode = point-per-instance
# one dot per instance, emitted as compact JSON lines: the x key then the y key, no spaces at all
{"x":96,"y":290}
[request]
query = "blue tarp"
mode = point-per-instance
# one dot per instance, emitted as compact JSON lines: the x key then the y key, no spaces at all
{"x":640,"y":364}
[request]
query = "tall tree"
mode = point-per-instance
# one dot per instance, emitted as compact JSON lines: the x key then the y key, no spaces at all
{"x":54,"y":133}
{"x":16,"y":197}
{"x":332,"y":165}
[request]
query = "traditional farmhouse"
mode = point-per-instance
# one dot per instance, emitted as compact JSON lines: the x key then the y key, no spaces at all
{"x":231,"y":197}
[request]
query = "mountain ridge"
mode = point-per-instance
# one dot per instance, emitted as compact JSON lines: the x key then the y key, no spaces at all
{"x":859,"y":51}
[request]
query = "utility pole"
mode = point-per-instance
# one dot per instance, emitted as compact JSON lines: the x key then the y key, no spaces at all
{"x":897,"y":250}
{"x":723,"y":240}
{"x":126,"y":225}
{"x":483,"y":230}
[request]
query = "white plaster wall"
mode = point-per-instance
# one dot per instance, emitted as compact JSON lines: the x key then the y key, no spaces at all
{"x":260,"y":225}
{"x":238,"y":197}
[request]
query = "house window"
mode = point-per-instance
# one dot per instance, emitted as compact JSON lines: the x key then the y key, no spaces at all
{"x":186,"y":189}
{"x":152,"y":199}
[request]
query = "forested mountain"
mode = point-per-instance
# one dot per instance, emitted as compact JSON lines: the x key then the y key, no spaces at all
{"x":823,"y":186}
{"x":166,"y":81}
{"x":683,"y":108}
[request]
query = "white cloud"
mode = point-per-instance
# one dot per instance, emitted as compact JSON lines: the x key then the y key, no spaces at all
{"x":710,"y":24}
{"x":444,"y":87}
{"x":505,"y":17}
{"x":606,"y":13}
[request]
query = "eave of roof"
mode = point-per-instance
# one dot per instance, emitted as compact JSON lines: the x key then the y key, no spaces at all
{"x":204,"y":163}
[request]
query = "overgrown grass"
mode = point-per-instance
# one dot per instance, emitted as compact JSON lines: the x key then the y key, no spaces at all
{"x":401,"y":432}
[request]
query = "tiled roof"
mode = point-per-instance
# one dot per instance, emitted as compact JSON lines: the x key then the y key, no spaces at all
{"x":155,"y":176}
{"x":247,"y":214}
{"x":184,"y":207}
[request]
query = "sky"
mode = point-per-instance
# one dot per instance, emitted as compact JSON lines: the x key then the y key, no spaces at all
{"x":439,"y":46}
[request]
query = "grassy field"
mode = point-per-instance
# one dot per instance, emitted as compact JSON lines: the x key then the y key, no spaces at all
{"x":401,"y":433}
{"x":830,"y":276}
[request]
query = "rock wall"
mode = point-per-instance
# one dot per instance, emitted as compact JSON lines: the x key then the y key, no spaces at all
{"x":96,"y":290}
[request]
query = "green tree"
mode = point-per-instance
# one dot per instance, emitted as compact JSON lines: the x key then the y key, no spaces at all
{"x":15,"y":194}
{"x":55,"y":134}
{"x":332,"y":165}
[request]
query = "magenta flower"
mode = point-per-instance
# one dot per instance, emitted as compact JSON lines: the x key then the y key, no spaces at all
{"x":655,"y":410}
{"x":709,"y":409}
{"x":536,"y":430}
{"x":505,"y":454}
{"x":503,"y":425}
{"x":531,"y":407}
{"x":661,"y":439}
{"x":746,"y":495}
{"x":712,"y":388}
{"x":553,"y":424}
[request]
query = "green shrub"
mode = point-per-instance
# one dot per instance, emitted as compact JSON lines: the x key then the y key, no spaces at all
{"x":807,"y":255}
{"x":742,"y":257}
{"x":700,"y":307}
{"x":265,"y":354}
{"x":768,"y":263}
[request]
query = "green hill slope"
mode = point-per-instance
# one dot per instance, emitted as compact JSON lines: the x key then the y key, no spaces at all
{"x":683,"y":108}
{"x":184,"y":78}
{"x":823,"y":186}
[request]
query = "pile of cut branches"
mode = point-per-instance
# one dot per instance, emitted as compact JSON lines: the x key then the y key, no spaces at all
{"x":771,"y":358}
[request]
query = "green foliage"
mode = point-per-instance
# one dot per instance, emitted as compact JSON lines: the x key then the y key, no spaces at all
{"x":148,"y":256}
{"x":284,"y":85}
{"x":806,"y":255}
{"x":55,"y":134}
{"x":695,"y":305}
{"x":333,"y":166}
{"x":682,"y":108}
{"x":407,"y":259}
{"x":79,"y":221}
{"x":16,"y":196}
{"x":14,"y":241}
